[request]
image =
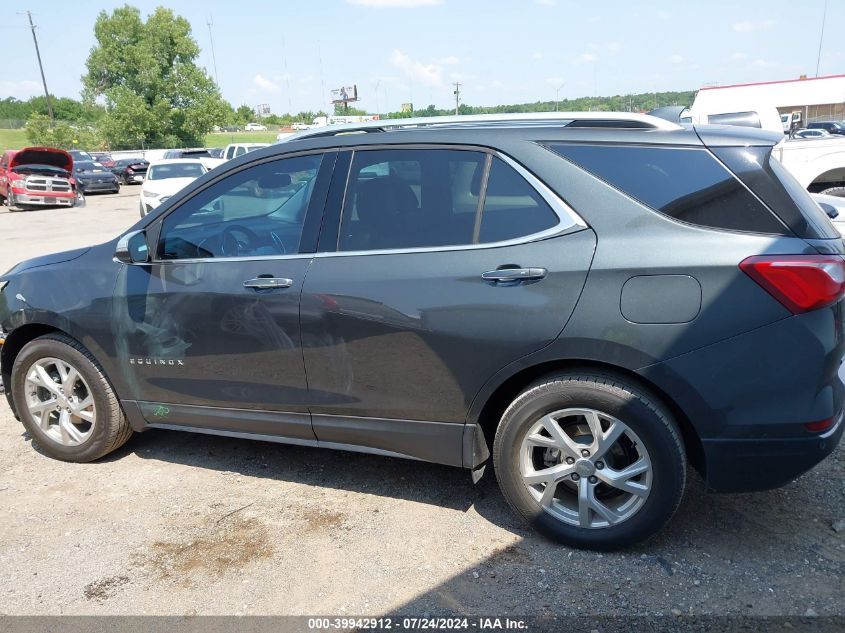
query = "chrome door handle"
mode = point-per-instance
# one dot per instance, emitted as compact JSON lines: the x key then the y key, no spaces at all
{"x":514,"y":274}
{"x":263,"y":283}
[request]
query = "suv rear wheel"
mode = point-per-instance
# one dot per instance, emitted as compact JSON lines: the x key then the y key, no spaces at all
{"x":65,"y":402}
{"x":590,"y":461}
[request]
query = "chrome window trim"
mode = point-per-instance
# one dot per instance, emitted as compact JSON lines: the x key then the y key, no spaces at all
{"x":568,"y":219}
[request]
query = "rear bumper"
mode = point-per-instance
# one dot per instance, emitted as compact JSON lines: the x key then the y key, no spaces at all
{"x":762,"y":464}
{"x":748,"y":398}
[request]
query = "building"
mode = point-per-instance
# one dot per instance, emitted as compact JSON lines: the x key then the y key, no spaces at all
{"x":816,"y":98}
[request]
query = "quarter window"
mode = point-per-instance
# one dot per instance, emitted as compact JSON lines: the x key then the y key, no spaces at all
{"x":687,"y":184}
{"x":259,"y":211}
{"x":415,"y":198}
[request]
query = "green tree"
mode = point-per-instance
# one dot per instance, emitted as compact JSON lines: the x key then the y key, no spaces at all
{"x":155,"y":94}
{"x":243,"y":114}
{"x":62,"y":135}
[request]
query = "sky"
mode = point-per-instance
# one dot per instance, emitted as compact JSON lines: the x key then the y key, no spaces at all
{"x":291,"y":54}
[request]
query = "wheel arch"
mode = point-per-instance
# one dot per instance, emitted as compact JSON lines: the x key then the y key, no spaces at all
{"x":12,"y":346}
{"x":490,"y":413}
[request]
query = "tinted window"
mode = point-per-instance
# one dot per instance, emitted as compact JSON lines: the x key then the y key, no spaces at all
{"x":775,"y":186}
{"x":687,"y":184}
{"x":418,"y":198}
{"x":410,"y":198}
{"x":512,"y":207}
{"x":256,"y":212}
{"x":176,"y":170}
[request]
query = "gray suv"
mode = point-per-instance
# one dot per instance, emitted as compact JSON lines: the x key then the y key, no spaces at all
{"x":589,"y":301}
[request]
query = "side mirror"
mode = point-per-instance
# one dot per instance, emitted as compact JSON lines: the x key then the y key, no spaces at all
{"x":829,"y":209}
{"x":132,"y":248}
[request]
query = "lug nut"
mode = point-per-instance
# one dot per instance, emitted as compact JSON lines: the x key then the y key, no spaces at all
{"x":585,"y":452}
{"x":570,"y":460}
{"x":575,"y":476}
{"x":593,"y":479}
{"x":599,"y":465}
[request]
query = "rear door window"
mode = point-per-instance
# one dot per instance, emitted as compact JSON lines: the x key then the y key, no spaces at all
{"x":416,"y":198}
{"x":684,"y":183}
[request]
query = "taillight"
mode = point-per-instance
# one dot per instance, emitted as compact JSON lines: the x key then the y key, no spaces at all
{"x":820,"y":426}
{"x":800,"y":282}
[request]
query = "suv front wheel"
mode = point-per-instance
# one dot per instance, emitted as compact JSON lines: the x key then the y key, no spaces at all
{"x":590,"y":461}
{"x":65,"y":402}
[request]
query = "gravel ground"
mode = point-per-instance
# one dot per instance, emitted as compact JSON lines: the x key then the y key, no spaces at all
{"x":182,"y":524}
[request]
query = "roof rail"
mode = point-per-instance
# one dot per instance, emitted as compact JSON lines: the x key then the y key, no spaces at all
{"x":564,"y":119}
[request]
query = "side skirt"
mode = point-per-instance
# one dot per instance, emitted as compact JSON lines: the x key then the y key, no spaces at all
{"x":436,"y":442}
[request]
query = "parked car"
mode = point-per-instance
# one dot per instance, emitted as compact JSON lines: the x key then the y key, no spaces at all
{"x":233,"y":150}
{"x":591,"y":301}
{"x":187,"y":153}
{"x":255,"y":127}
{"x":833,"y":127}
{"x":92,"y":177}
{"x":130,"y":170}
{"x":36,"y":177}
{"x":165,"y":178}
{"x":104,"y":158}
{"x":78,"y":154}
{"x":820,"y":133}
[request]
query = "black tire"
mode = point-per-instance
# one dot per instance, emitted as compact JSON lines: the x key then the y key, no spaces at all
{"x":640,"y":411}
{"x":111,"y":429}
{"x":839,"y":192}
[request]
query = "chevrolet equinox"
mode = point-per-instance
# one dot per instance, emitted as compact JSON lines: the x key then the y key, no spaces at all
{"x":591,"y":301}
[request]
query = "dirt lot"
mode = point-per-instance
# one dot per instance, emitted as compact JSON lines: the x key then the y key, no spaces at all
{"x":190,"y":524}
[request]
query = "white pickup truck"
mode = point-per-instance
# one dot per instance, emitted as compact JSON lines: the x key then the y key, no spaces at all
{"x":818,"y":164}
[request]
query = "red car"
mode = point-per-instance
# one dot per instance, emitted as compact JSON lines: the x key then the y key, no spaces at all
{"x":104,"y":158}
{"x":37,"y":177}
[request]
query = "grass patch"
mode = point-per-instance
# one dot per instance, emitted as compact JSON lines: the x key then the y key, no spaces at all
{"x":13,"y":139}
{"x":16,"y":139}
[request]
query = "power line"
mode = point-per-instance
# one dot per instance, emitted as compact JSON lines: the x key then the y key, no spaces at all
{"x":210,"y":22}
{"x":41,"y":67}
{"x":821,"y":38}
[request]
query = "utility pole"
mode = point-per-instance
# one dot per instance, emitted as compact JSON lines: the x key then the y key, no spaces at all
{"x":557,"y":95}
{"x":210,"y":22}
{"x":457,"y":96}
{"x":41,"y":67}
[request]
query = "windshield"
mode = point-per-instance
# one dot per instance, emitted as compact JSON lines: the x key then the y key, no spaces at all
{"x":175,"y":170}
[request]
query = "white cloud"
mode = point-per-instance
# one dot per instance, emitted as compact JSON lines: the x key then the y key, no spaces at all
{"x":265,"y":84}
{"x":546,"y":3}
{"x":762,"y":63}
{"x":675,"y":59}
{"x":395,"y":4}
{"x":20,"y":89}
{"x":427,"y":74}
{"x":450,"y":60}
{"x":585,"y":58}
{"x":751,"y":26}
{"x":536,"y":55}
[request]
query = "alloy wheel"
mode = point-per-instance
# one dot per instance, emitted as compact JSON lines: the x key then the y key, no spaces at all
{"x":60,"y":401}
{"x":585,"y":468}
